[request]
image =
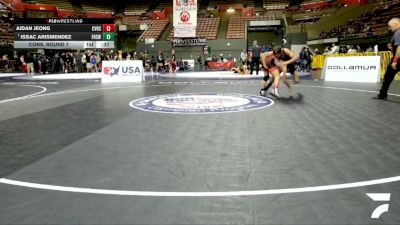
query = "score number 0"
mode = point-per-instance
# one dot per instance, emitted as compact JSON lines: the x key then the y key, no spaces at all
{"x":108,"y":28}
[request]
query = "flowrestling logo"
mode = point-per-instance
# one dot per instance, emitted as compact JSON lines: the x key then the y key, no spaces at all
{"x":201,"y":103}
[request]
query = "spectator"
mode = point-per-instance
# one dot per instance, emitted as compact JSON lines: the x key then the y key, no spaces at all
{"x":242,"y":70}
{"x":368,"y":31}
{"x":327,"y":50}
{"x":221,"y":57}
{"x":172,"y":63}
{"x":134,"y":56}
{"x":63,"y":59}
{"x":5,"y":62}
{"x":309,"y":57}
{"x":93,"y":63}
{"x":200,"y":62}
{"x":69,"y":62}
{"x":335,"y":49}
{"x":243,"y":57}
{"x":255,"y":57}
{"x":29,"y":64}
{"x":57,"y":61}
{"x":153,"y":63}
{"x":78,"y":61}
{"x":303,"y":59}
{"x":359,"y":49}
{"x":44,"y":63}
{"x":351,"y":50}
{"x":160,"y":61}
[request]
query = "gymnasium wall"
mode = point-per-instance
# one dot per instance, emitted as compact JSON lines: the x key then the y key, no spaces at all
{"x":235,"y":47}
{"x":296,"y":38}
{"x":264,"y":38}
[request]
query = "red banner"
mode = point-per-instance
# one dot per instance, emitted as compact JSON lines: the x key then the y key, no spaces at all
{"x":221,"y":65}
{"x":315,"y":5}
{"x":248,"y":11}
{"x":66,"y":13}
{"x":98,"y":15}
{"x":159,"y":16}
{"x":353,"y":2}
{"x":36,"y":7}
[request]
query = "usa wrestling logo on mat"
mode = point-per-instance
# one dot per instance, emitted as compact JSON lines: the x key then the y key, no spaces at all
{"x":201,"y":103}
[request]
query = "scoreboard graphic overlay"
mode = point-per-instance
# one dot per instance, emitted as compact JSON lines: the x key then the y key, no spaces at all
{"x":64,"y":33}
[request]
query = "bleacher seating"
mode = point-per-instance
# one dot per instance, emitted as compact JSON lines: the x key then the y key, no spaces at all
{"x":136,"y":9}
{"x":206,"y":28}
{"x":163,"y":5}
{"x":378,"y":24}
{"x":372,"y":23}
{"x":237,"y":27}
{"x":247,"y":3}
{"x":6,"y":28}
{"x":134,"y":20}
{"x":97,"y":7}
{"x":6,"y":34}
{"x":304,"y":17}
{"x":276,"y":4}
{"x":157,"y":27}
{"x":61,"y":4}
{"x":307,"y":2}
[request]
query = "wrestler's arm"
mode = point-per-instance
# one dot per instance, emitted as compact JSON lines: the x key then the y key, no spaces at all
{"x":264,"y":57}
{"x":282,"y":67}
{"x":293,"y":56}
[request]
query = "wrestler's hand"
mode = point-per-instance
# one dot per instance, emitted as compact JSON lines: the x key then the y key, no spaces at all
{"x":394,"y":65}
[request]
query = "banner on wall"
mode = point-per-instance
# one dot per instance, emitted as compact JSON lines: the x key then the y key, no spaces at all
{"x":353,"y":69}
{"x":184,"y":31}
{"x":149,"y":40}
{"x":185,"y":13}
{"x":187,"y":42}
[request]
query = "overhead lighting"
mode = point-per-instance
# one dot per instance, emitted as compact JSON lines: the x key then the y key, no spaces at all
{"x":230,"y":10}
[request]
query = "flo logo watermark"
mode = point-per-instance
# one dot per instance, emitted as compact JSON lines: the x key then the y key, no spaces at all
{"x":379,"y":197}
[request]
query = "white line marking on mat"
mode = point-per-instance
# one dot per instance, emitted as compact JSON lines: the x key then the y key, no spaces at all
{"x":199,"y":194}
{"x":203,"y":83}
{"x":26,"y":96}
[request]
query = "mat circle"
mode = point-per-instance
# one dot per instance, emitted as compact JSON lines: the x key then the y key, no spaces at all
{"x":198,"y":103}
